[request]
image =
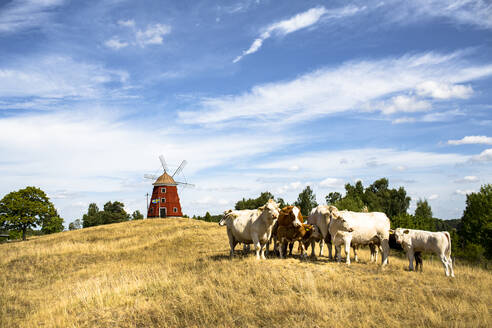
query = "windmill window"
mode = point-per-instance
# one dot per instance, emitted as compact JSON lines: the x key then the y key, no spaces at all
{"x":163,"y":200}
{"x":163,"y":190}
{"x":175,"y":209}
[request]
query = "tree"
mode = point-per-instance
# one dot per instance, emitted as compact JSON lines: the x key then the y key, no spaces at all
{"x":137,"y":215}
{"x":93,"y":217}
{"x":254,"y":203}
{"x":208,"y":217}
{"x":306,"y":201}
{"x":75,"y":225}
{"x":28,"y":208}
{"x":423,"y":216}
{"x":333,"y":197}
{"x":476,"y":223}
{"x":114,"y":212}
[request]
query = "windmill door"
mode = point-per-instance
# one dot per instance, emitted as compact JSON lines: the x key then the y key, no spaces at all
{"x":162,"y":212}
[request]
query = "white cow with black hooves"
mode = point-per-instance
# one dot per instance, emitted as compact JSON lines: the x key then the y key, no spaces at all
{"x":251,"y":226}
{"x":347,"y":227}
{"x":438,"y":243}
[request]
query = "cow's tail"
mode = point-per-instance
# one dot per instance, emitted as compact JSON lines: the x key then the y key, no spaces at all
{"x":448,"y":248}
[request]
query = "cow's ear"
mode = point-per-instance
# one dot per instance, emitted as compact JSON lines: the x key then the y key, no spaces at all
{"x":406,"y":231}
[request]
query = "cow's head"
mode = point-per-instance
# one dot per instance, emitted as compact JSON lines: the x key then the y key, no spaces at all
{"x":272,"y":208}
{"x":291,"y":216}
{"x":400,"y":234}
{"x":338,"y":220}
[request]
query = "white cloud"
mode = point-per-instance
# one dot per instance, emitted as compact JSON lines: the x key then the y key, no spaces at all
{"x":444,"y":90}
{"x":294,"y":168}
{"x":296,"y":23}
{"x":115,"y":43}
{"x":467,"y":179}
{"x":289,"y":187}
{"x":431,"y":117}
{"x":56,"y":77}
{"x":152,"y":35}
{"x":433,"y":196}
{"x":403,"y":103}
{"x":127,"y":23}
{"x":463,"y":192}
{"x":472,"y":140}
{"x":401,"y":168}
{"x":23,"y":14}
{"x":332,"y":182}
{"x":485,"y":156}
{"x":472,"y":12}
{"x":350,"y":86}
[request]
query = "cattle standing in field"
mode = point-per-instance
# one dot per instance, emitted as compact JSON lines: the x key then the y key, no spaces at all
{"x":251,"y":226}
{"x":289,"y":216}
{"x":320,"y":217}
{"x":348,"y":227}
{"x":438,"y":243}
{"x":291,"y":234}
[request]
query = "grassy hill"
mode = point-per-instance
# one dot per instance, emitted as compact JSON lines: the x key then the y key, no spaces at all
{"x":176,"y":273}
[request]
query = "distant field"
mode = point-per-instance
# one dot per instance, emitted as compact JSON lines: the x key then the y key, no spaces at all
{"x":176,"y":273}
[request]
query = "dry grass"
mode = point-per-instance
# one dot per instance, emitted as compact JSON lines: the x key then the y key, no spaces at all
{"x":176,"y":273}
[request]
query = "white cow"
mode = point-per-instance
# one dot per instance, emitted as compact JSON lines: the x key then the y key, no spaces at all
{"x":348,"y":227}
{"x":251,"y":226}
{"x":320,"y":217}
{"x":438,"y":243}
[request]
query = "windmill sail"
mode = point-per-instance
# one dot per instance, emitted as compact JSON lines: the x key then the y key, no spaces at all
{"x":150,"y":176}
{"x":180,"y":168}
{"x":163,"y":162}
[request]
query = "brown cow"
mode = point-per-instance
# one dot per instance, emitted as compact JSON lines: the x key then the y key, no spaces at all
{"x":290,"y":234}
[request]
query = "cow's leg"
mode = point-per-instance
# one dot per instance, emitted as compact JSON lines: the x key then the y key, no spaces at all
{"x":267,"y":246}
{"x":338,"y":251}
{"x":246,"y":249}
{"x":232,"y":242}
{"x":410,"y":257}
{"x":303,"y":250}
{"x":281,"y":248}
{"x":321,"y":246}
{"x":256,"y":243}
{"x":329,"y":245}
{"x":371,"y":248}
{"x":355,"y":248}
{"x":291,"y":246}
{"x":347,"y":250}
{"x":444,"y":261}
{"x":313,"y":245}
{"x":386,"y":249}
{"x":450,"y":264}
{"x":262,"y":251}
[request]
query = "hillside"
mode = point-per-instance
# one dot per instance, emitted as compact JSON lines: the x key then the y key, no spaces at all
{"x":176,"y":273}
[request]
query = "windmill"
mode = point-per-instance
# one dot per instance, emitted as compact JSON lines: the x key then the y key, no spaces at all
{"x":165,"y":200}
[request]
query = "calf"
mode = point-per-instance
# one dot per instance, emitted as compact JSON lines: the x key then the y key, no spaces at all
{"x":438,"y":243}
{"x":289,"y":234}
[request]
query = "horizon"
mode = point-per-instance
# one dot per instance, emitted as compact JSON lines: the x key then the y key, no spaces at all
{"x":255,"y":95}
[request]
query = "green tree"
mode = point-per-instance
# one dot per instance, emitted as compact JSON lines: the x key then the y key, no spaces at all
{"x":423,"y":216}
{"x":93,"y":216}
{"x":137,"y":215}
{"x":476,"y":223}
{"x":333,"y":197}
{"x":208,"y":217}
{"x":306,"y":201}
{"x":28,"y":208}
{"x":254,"y":203}
{"x":114,"y":212}
{"x":75,"y":225}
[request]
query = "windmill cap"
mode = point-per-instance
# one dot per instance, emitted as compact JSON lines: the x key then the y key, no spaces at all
{"x":165,"y":180}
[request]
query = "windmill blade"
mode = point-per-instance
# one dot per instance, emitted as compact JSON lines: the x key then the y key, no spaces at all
{"x":150,"y":176}
{"x":163,"y":162}
{"x":184,"y":184}
{"x":180,"y":168}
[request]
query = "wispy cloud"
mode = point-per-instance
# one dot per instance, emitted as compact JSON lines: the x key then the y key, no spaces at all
{"x":153,"y":34}
{"x":23,"y":14}
{"x":296,"y":23}
{"x":350,"y":86}
{"x":444,"y":90}
{"x":467,"y":179}
{"x":115,"y":43}
{"x":56,"y":77}
{"x":472,"y":140}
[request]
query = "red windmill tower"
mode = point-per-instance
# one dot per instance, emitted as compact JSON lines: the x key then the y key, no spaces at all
{"x":165,"y":200}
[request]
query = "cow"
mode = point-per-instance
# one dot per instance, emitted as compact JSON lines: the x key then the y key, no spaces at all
{"x":320,"y":217}
{"x":289,"y":216}
{"x":291,"y":234}
{"x":438,"y":243}
{"x":374,"y":247}
{"x":251,"y":226}
{"x":348,"y":227}
{"x":418,"y":261}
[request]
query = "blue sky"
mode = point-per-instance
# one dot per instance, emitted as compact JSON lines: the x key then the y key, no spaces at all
{"x":256,"y":95}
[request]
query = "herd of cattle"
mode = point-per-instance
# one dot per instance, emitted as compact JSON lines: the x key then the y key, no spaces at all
{"x":328,"y":224}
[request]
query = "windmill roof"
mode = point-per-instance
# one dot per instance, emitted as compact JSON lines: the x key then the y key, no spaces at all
{"x":165,"y":180}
